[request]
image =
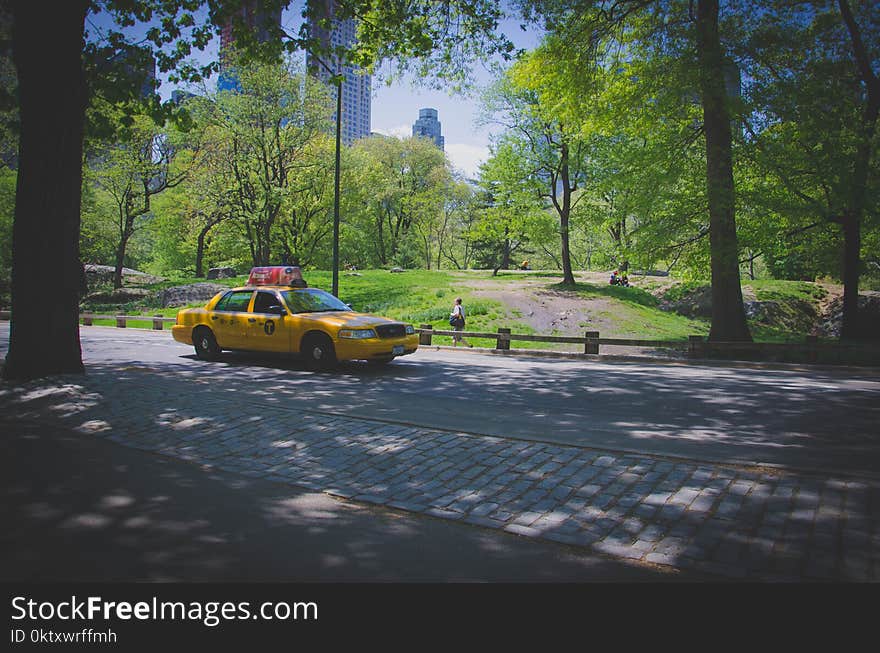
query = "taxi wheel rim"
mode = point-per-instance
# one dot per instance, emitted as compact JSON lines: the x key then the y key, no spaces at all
{"x":317,"y":352}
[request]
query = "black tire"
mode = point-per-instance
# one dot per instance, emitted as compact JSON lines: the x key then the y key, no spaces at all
{"x":318,"y":352}
{"x":205,"y":344}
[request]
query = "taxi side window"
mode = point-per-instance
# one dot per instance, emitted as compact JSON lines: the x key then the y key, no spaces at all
{"x":263,"y":301}
{"x":234,"y":301}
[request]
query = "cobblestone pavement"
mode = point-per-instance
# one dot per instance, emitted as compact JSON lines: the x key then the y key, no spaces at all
{"x":736,"y":522}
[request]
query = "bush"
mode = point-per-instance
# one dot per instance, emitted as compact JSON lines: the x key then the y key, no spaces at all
{"x":680,"y":290}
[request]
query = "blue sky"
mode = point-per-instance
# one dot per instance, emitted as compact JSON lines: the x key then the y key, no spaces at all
{"x":396,"y":107}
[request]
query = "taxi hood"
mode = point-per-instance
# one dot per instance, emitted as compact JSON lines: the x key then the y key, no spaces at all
{"x":350,"y":319}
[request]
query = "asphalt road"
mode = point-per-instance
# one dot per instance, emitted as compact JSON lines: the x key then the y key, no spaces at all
{"x":805,"y":418}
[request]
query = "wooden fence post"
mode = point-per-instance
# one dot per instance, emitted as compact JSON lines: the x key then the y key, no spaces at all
{"x":502,"y":343}
{"x":695,"y":346}
{"x":592,"y":344}
{"x":157,"y":324}
{"x":120,"y":321}
{"x":425,"y":338}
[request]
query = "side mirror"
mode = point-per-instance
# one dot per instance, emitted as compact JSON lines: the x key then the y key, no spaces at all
{"x":277,"y":309}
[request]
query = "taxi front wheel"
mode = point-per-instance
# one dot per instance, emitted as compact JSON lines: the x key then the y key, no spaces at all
{"x":206,"y":345}
{"x":318,"y":352}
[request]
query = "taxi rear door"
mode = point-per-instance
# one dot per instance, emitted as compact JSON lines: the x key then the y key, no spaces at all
{"x":267,"y":329}
{"x":228,"y":320}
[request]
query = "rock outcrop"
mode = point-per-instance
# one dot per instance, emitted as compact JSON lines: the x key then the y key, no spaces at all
{"x":183,"y":295}
{"x":869,"y":317}
{"x":221,"y":273}
{"x":98,"y":275}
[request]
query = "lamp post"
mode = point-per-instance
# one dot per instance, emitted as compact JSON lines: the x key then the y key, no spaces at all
{"x":335,"y":289}
{"x":335,"y":285}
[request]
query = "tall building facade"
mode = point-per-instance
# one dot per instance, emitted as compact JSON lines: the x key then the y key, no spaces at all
{"x":254,"y":18}
{"x":356,"y":86}
{"x":427,"y":126}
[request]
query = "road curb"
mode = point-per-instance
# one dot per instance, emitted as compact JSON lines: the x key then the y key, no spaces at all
{"x":614,"y":358}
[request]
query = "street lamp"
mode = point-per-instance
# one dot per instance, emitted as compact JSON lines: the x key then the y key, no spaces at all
{"x":335,"y":289}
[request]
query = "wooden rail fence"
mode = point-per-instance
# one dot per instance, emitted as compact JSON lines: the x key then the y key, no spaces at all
{"x":88,"y":319}
{"x":810,"y":350}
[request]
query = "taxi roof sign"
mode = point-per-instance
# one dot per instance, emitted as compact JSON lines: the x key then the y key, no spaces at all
{"x":277,"y":275}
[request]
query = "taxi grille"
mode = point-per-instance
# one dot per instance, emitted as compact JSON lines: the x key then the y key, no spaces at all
{"x":391,"y":331}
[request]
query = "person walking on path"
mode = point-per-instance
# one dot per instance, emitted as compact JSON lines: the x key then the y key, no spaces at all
{"x":456,"y":319}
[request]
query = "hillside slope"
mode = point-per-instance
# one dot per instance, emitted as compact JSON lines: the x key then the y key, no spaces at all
{"x":534,"y":302}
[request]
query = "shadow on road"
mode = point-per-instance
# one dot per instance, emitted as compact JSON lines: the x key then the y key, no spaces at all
{"x":76,"y":508}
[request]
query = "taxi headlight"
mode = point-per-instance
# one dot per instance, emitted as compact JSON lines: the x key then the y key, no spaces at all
{"x":357,"y":334}
{"x":410,"y":329}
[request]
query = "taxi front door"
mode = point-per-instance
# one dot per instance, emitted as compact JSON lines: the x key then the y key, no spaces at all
{"x":266,"y":329}
{"x":229,"y":320}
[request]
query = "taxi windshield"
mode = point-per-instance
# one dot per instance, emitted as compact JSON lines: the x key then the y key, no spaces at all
{"x":312,"y":300}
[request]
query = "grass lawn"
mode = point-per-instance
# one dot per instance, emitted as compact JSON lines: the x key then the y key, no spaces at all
{"x":422,"y":297}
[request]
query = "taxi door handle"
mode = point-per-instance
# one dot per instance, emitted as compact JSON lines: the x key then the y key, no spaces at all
{"x":252,"y":319}
{"x":215,"y":317}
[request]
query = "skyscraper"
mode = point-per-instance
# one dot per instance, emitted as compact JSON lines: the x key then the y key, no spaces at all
{"x":254,"y":18}
{"x":356,"y":87}
{"x":428,"y":126}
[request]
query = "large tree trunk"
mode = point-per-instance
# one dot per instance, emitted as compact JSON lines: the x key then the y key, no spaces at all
{"x":852,"y":245}
{"x":852,"y":220}
{"x":728,"y":313}
{"x":46,"y":270}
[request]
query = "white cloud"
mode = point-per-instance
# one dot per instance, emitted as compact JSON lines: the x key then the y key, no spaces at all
{"x":467,"y":158}
{"x":398,"y":131}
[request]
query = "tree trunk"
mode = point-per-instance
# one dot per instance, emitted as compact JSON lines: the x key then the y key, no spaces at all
{"x":852,"y":220}
{"x":564,"y":214}
{"x":46,"y":269}
{"x":852,"y":245}
{"x":728,"y":313}
{"x":505,"y":255}
{"x":200,"y":251}
{"x":120,"y":259}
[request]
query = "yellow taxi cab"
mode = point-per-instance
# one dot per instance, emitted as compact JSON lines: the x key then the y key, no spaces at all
{"x":278,"y":312}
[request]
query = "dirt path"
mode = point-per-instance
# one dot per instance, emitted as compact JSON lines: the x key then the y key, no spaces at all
{"x":556,"y":312}
{"x":531,"y":300}
{"x":561,"y":312}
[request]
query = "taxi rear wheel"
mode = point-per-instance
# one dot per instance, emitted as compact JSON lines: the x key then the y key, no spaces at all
{"x":206,"y":345}
{"x":318,"y":352}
